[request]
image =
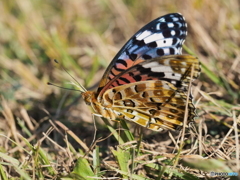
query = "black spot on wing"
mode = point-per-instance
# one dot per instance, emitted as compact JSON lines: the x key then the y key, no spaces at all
{"x":123,"y":62}
{"x":167,"y":33}
{"x":137,"y":78}
{"x":152,"y":111}
{"x":152,"y":44}
{"x":130,"y":110}
{"x":173,"y":111}
{"x":118,"y":83}
{"x":151,"y":99}
{"x":160,"y":52}
{"x":157,"y":74}
{"x":118,"y":69}
{"x":175,"y":40}
{"x":163,"y":25}
{"x":133,"y":56}
{"x":172,"y":50}
{"x":144,"y":94}
{"x":125,"y":80}
{"x":140,"y":43}
{"x":178,"y":84}
{"x":145,"y":56}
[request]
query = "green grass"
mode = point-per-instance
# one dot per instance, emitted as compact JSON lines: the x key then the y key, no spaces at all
{"x":50,"y":133}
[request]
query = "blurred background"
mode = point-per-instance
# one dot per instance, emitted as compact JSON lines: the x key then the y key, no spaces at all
{"x":84,"y":36}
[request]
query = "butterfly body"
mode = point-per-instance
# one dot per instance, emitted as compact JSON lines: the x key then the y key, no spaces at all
{"x":147,"y":81}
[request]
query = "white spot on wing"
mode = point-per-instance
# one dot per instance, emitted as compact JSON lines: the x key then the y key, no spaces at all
{"x":161,"y":69}
{"x":151,"y":64}
{"x":173,"y":32}
{"x":170,"y":25}
{"x":156,"y":67}
{"x":183,"y":70}
{"x":143,"y":35}
{"x":166,"y":51}
{"x":153,"y":120}
{"x":135,"y":113}
{"x":162,"y":19}
{"x":135,"y":118}
{"x":184,"y":63}
{"x":153,"y":37}
{"x":175,"y":19}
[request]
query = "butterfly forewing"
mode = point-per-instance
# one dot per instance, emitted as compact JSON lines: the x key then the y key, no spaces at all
{"x":163,"y":36}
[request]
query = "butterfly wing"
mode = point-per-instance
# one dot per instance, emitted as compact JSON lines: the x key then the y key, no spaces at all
{"x":175,"y":69}
{"x":163,"y":36}
{"x":152,"y":104}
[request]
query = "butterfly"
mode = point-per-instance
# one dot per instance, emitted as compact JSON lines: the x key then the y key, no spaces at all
{"x":147,"y":81}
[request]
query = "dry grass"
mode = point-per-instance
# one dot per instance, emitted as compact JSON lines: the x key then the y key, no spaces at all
{"x":84,"y":36}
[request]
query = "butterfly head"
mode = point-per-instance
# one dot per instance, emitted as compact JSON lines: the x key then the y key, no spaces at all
{"x":89,"y":97}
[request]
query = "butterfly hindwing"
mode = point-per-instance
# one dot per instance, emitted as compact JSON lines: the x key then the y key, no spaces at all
{"x":163,"y":36}
{"x":152,"y":104}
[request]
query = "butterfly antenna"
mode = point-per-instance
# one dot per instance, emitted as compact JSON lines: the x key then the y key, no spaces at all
{"x":51,"y":84}
{"x":81,"y":86}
